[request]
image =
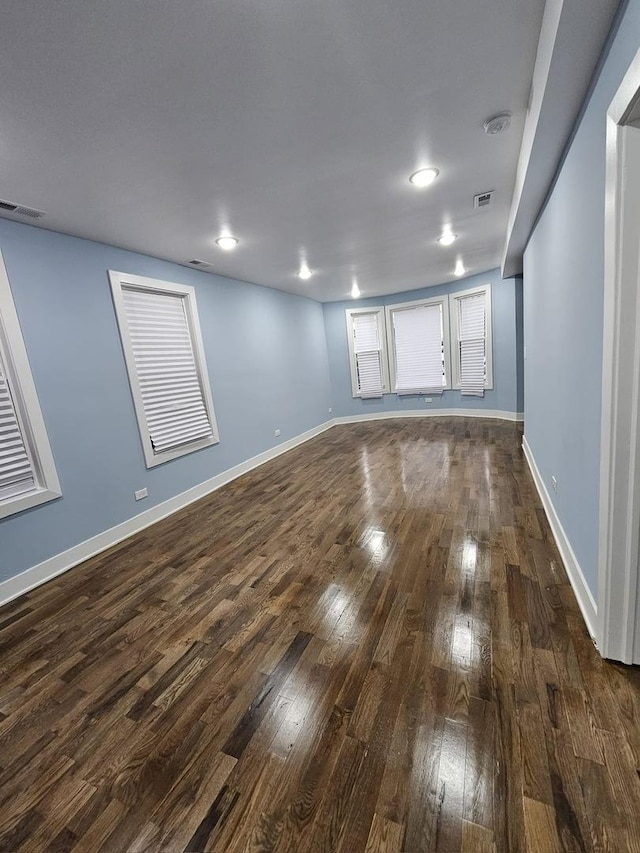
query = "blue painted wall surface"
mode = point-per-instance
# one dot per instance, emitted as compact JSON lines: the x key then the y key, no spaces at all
{"x":563,"y":309}
{"x":267,"y":360}
{"x":504,"y":396}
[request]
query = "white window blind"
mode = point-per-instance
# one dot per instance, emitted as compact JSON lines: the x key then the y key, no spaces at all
{"x":418,"y":341}
{"x":28,"y":474}
{"x":16,"y":470}
{"x":368,"y":354}
{"x":472,"y":342}
{"x":169,"y":382}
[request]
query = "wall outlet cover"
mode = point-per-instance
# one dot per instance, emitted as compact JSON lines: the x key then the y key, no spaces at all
{"x":140,"y":494}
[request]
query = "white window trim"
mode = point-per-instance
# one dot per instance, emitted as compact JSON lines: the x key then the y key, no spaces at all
{"x":455,"y":340}
{"x":118,"y":281}
{"x":391,"y":347}
{"x":379,"y":311}
{"x":14,"y":356}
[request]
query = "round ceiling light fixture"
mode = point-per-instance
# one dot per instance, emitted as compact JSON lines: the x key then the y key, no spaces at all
{"x":497,"y":124}
{"x":304,"y":273}
{"x":227,"y":242}
{"x":447,"y":238}
{"x":424,"y":177}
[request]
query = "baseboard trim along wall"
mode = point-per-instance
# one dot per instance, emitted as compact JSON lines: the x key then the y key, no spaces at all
{"x":60,"y":563}
{"x":582,"y":592}
{"x":432,"y":413}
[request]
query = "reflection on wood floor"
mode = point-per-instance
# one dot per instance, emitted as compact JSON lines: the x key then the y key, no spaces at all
{"x":368,"y":644}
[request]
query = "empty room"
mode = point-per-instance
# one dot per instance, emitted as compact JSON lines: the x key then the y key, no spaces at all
{"x":319,"y":434}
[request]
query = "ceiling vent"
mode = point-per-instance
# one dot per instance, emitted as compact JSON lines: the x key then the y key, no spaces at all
{"x":483,"y":199}
{"x":196,"y":263}
{"x":20,"y":210}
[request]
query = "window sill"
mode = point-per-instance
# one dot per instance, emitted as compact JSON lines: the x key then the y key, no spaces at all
{"x":152,"y":459}
{"x":10,"y":506}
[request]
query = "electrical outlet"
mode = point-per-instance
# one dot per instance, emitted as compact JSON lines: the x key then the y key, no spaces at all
{"x":140,"y":494}
{"x":428,"y":399}
{"x":554,"y":483}
{"x":330,"y":409}
{"x":277,"y":433}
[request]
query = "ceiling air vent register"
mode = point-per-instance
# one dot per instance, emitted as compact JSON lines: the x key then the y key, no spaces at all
{"x":483,"y":199}
{"x":20,"y":210}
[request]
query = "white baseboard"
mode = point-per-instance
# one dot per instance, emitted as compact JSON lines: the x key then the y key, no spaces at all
{"x":432,"y":413}
{"x":60,"y":563}
{"x":582,"y":592}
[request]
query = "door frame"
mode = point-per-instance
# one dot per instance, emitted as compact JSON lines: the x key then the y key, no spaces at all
{"x":619,"y":541}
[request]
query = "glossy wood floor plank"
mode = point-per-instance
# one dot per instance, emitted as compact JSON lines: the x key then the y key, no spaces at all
{"x":367,"y":645}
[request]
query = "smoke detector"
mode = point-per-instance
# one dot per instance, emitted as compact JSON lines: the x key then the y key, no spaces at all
{"x":20,"y":210}
{"x":483,"y":199}
{"x":497,"y":124}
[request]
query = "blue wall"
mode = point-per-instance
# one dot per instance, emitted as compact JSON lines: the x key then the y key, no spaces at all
{"x":506,"y":394}
{"x":563,"y":293}
{"x":266,"y":354}
{"x":275,"y":361}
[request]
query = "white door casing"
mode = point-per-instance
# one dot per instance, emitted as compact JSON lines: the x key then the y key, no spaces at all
{"x":618,"y":631}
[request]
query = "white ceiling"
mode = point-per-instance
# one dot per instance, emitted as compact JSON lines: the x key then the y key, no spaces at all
{"x":153,"y":125}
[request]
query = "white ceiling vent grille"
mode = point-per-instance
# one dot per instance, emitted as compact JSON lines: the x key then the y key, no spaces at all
{"x":483,"y":199}
{"x":20,"y":210}
{"x":196,"y":263}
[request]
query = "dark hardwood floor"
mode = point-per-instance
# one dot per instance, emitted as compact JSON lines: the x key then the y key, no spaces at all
{"x":368,"y":644}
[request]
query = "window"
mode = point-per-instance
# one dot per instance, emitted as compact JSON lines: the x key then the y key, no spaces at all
{"x":27,"y":471}
{"x":419,"y":346}
{"x":163,"y":349}
{"x":369,"y":373}
{"x":471,"y":327}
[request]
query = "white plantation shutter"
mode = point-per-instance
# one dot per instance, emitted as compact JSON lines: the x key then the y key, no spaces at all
{"x":16,"y":470}
{"x":472,"y":338}
{"x":368,"y":354}
{"x":418,"y":340}
{"x":28,"y":476}
{"x":167,"y":373}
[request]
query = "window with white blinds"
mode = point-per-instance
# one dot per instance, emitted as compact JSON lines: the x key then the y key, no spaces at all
{"x":162,"y":345}
{"x":27,"y":471}
{"x":418,"y":346}
{"x":367,"y":351}
{"x":17,"y":474}
{"x":472,"y":312}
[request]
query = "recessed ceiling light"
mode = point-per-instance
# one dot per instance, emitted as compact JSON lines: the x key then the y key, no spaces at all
{"x":424,"y":177}
{"x":355,"y":290}
{"x":305,"y":272}
{"x":498,"y":123}
{"x":459,"y":270}
{"x":447,"y":238}
{"x":227,"y":242}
